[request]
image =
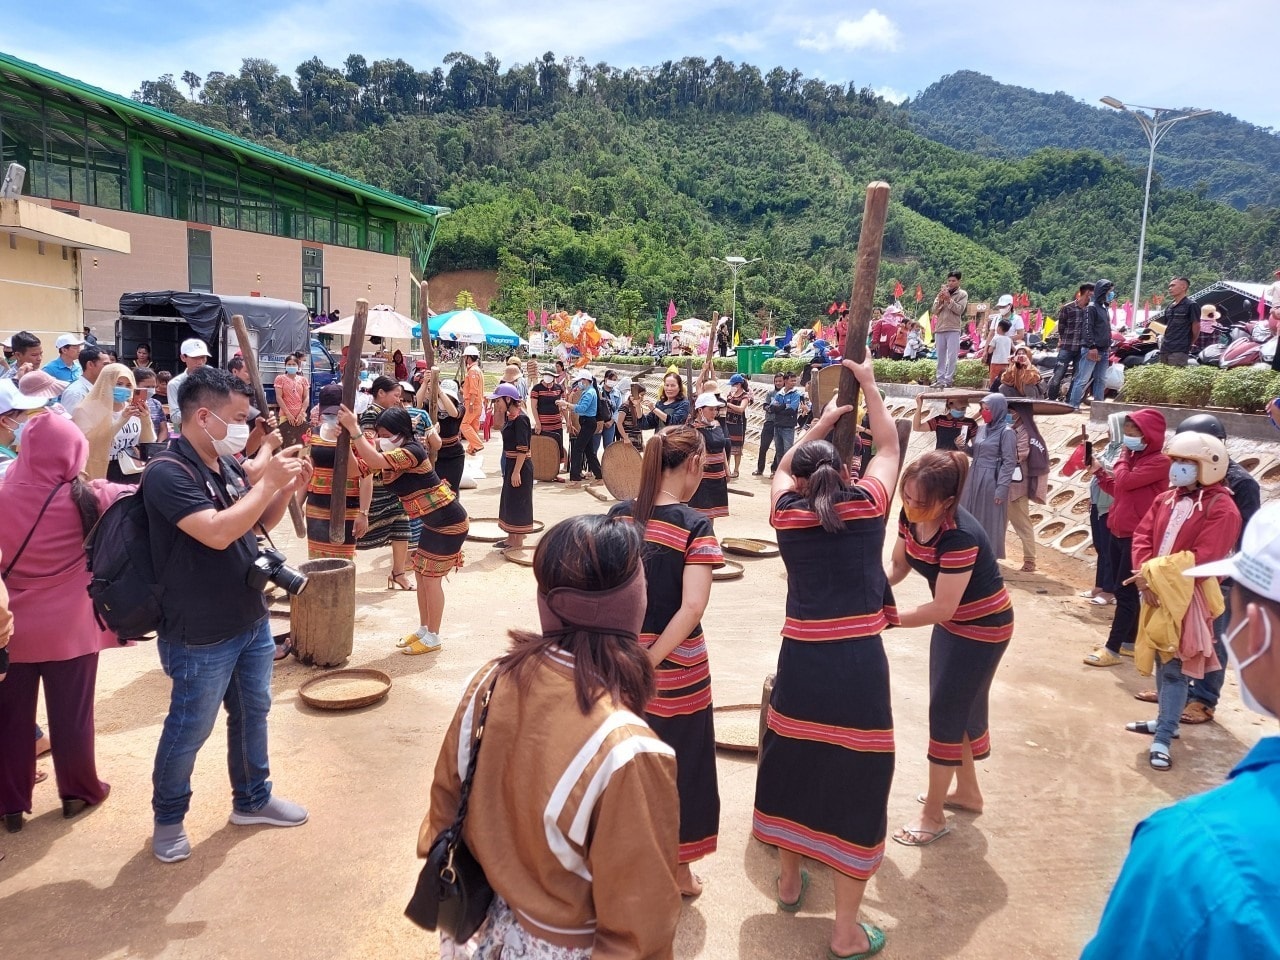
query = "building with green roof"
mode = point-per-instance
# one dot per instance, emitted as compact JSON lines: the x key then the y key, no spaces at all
{"x":206,"y":210}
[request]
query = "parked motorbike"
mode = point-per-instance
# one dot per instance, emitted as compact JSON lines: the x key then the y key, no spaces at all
{"x":1246,"y":351}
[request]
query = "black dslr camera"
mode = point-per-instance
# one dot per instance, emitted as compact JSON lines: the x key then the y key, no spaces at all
{"x":268,"y":567}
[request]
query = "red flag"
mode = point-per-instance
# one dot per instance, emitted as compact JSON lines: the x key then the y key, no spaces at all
{"x":543,"y":319}
{"x":671,"y":311}
{"x":764,"y":336}
{"x":832,"y":309}
{"x":1039,"y":319}
{"x":919,"y":293}
{"x":532,"y":318}
{"x":897,"y":290}
{"x":651,"y":339}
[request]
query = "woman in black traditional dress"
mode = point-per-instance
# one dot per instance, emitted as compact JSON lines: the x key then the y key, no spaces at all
{"x":681,"y":551}
{"x":711,"y":499}
{"x":452,"y":458}
{"x":735,"y":419}
{"x":672,"y":407}
{"x":387,"y":520}
{"x":826,"y":761}
{"x":548,"y":418}
{"x":972,"y":616}
{"x":515,"y":508}
{"x":407,"y":472}
{"x":322,"y":447}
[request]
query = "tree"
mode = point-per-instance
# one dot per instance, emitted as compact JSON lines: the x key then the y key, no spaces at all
{"x":465,"y":301}
{"x":192,"y":80}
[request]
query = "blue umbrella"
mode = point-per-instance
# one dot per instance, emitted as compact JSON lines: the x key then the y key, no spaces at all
{"x":472,"y":326}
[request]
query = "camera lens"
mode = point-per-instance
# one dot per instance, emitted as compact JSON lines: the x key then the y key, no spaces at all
{"x":291,"y":581}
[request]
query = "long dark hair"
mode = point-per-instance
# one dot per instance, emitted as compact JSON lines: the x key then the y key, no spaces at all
{"x":86,"y":503}
{"x":667,"y":449}
{"x":818,"y":464}
{"x":588,"y":552}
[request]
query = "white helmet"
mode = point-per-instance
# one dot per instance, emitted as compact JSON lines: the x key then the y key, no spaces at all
{"x":471,"y":351}
{"x":1209,"y":452}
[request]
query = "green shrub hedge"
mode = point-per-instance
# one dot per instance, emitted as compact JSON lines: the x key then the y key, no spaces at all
{"x":1245,"y":389}
{"x":783,"y":365}
{"x":973,"y":374}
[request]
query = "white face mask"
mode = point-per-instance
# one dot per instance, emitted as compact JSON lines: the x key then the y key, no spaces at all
{"x":1246,"y":695}
{"x":235,"y":440}
{"x":1183,"y":474}
{"x":387,"y":444}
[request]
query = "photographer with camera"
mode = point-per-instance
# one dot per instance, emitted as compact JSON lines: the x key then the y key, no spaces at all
{"x":215,"y":639}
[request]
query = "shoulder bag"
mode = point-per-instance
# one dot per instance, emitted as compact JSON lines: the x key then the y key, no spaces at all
{"x":453,"y":895}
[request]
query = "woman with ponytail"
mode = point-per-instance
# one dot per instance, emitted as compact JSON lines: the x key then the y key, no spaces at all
{"x":711,"y":499}
{"x":681,"y":550}
{"x":972,"y":619}
{"x":826,"y":761}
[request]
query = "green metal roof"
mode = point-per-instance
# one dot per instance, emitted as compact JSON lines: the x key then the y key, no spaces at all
{"x":130,"y":111}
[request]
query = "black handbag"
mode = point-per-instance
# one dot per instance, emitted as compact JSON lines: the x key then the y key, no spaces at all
{"x":453,"y":895}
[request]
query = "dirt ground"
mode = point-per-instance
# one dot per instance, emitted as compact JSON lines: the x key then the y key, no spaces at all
{"x":1065,"y":786}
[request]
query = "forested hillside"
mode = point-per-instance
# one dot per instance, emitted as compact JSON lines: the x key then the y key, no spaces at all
{"x":614,"y":190}
{"x":1216,"y":156}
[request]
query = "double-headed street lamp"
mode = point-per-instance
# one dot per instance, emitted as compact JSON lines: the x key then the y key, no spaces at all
{"x":1155,"y":126}
{"x":735,"y":264}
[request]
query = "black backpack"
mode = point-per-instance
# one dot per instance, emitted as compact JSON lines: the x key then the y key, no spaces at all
{"x":604,"y":406}
{"x":123,"y":584}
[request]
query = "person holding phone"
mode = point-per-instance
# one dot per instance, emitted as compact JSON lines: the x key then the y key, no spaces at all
{"x":114,"y":418}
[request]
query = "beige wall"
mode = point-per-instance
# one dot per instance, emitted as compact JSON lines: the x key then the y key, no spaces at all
{"x":159,"y":262}
{"x":39,"y":288}
{"x":379,"y":278}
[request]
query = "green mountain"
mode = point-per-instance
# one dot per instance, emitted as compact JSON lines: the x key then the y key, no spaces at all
{"x":1216,"y":156}
{"x":615,"y":190}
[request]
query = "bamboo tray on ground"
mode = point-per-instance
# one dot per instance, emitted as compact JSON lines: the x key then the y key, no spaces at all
{"x":486,"y":530}
{"x":738,"y":727}
{"x":345,"y":689}
{"x":749,"y":547}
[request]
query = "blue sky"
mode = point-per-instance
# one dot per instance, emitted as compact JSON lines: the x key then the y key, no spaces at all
{"x":1162,"y":52}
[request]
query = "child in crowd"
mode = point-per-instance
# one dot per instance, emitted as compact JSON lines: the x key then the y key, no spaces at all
{"x":1001,"y":349}
{"x":1194,"y":522}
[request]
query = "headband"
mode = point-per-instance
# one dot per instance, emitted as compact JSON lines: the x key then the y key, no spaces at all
{"x":619,"y":610}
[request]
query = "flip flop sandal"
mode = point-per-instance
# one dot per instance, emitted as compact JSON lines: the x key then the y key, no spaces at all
{"x":906,"y":836}
{"x":283,"y":650}
{"x":1147,"y":727}
{"x":1147,"y":696}
{"x":1160,"y":761}
{"x":794,"y":905}
{"x":702,"y":886}
{"x":42,"y":776}
{"x":1086,"y":595}
{"x":875,"y":940}
{"x":947,"y":805}
{"x":1102,"y":601}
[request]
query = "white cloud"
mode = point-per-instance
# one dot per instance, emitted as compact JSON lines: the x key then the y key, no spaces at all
{"x":872,"y":31}
{"x":890,"y":94}
{"x":742,"y":42}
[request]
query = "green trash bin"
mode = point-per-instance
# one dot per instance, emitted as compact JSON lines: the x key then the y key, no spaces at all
{"x":751,"y":358}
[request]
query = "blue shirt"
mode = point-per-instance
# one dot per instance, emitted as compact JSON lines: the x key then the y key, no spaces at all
{"x":1202,"y":878}
{"x":57,"y":368}
{"x":586,"y":405}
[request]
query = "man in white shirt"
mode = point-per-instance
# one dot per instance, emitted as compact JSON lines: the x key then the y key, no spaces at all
{"x":92,"y":361}
{"x":194,"y":354}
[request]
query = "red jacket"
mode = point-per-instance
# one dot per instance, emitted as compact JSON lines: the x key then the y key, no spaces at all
{"x":1138,"y":477}
{"x":1210,"y":532}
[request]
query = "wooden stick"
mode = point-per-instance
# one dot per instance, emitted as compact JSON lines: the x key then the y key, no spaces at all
{"x":741,"y":493}
{"x":255,"y":380}
{"x":350,"y":379}
{"x":428,"y":354}
{"x":874,"y":211}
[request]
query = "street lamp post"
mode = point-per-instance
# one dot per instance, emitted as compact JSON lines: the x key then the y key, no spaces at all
{"x":1155,"y":126}
{"x":735,"y":264}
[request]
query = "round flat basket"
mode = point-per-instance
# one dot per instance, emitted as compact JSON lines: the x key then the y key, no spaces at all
{"x":545,"y":454}
{"x":345,"y":689}
{"x":486,"y":529}
{"x":738,"y":728}
{"x":730,"y":571}
{"x":620,"y":463}
{"x":955,"y":393}
{"x":522,"y":555}
{"x":1040,"y":408}
{"x":749,"y":547}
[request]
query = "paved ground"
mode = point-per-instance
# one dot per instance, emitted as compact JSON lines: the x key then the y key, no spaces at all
{"x":1065,"y":786}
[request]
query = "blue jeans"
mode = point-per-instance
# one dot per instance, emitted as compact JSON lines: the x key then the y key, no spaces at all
{"x":610,"y":433}
{"x":1208,"y":690}
{"x":1086,"y":368}
{"x":784,"y":439}
{"x":1066,"y":359}
{"x":1171,"y":688}
{"x":235,"y":673}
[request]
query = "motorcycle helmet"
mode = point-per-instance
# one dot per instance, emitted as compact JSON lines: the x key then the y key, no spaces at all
{"x":1208,"y":451}
{"x":1203,"y":423}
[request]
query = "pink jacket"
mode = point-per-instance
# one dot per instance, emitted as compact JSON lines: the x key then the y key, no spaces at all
{"x":48,"y":587}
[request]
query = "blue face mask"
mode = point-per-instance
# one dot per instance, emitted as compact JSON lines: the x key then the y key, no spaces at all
{"x":291,"y":368}
{"x":955,"y":414}
{"x":1111,"y":296}
{"x":121,"y":394}
{"x":1008,"y":418}
{"x":1183,"y":474}
{"x":1135,"y":443}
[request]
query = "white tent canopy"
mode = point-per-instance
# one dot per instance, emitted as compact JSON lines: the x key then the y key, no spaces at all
{"x":383,"y":322}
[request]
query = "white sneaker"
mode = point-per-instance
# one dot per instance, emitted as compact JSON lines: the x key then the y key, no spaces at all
{"x":276,"y":812}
